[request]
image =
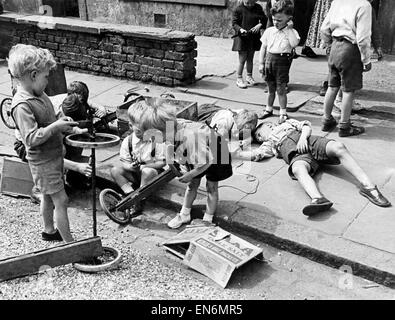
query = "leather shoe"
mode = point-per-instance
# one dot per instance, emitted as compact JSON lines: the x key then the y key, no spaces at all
{"x":317,"y":205}
{"x":375,"y":197}
{"x":51,"y":236}
{"x":328,"y":124}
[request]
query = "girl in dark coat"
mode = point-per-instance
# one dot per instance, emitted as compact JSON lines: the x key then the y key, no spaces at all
{"x":248,"y":19}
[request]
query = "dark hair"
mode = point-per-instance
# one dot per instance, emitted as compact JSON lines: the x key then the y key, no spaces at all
{"x":79,"y":88}
{"x":283,"y":6}
{"x":73,"y":107}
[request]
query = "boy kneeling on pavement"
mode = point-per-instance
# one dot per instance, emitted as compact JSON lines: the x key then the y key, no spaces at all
{"x":304,"y":153}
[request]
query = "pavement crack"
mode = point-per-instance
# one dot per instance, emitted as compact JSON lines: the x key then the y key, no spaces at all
{"x":215,"y":75}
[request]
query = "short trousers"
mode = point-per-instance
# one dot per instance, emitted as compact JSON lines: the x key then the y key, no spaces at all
{"x":221,"y":168}
{"x":345,"y":66}
{"x":315,"y":157}
{"x":48,"y":177}
{"x":277,"y":72}
{"x":217,"y":172}
{"x":137,"y":177}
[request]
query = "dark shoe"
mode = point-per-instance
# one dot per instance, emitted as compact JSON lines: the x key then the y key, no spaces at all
{"x":323,"y":88}
{"x":378,"y":199}
{"x":51,"y":236}
{"x":328,"y":124}
{"x":308,"y":52}
{"x":265,"y":114}
{"x":317,"y":205}
{"x":351,"y":130}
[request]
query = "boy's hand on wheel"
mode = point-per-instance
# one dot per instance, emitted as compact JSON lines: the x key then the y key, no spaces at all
{"x":65,"y":124}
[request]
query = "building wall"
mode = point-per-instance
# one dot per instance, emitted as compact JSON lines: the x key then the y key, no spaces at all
{"x":200,"y":19}
{"x":148,"y":54}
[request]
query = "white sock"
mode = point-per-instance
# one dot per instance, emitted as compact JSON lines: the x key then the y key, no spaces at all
{"x":269,"y":109}
{"x":208,"y":217}
{"x":283,"y":112}
{"x":185,"y":211}
{"x":127,"y":188}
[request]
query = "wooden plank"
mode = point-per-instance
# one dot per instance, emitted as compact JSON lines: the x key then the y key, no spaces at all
{"x":16,"y":178}
{"x":31,"y":263}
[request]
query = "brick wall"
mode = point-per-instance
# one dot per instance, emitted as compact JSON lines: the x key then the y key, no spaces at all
{"x":148,"y":54}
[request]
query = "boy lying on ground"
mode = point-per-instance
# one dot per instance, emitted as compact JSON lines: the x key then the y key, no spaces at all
{"x":292,"y":141}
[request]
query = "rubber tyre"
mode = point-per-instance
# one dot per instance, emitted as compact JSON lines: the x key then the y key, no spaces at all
{"x":6,"y":117}
{"x":108,"y":199}
{"x":80,"y":266}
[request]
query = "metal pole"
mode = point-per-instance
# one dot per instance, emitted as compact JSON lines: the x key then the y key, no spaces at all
{"x":93,"y":164}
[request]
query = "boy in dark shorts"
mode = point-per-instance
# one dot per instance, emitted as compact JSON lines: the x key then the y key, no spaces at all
{"x":193,"y":145}
{"x":275,"y":56}
{"x":348,"y":28}
{"x":304,"y":153}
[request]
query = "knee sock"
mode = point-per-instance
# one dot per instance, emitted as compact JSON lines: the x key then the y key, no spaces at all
{"x":269,"y":108}
{"x":185,"y":212}
{"x":127,"y":188}
{"x":208,"y":217}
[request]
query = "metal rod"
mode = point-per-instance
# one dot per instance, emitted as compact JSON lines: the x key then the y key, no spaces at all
{"x":93,"y":164}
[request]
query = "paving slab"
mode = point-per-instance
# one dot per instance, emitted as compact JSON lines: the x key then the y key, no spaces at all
{"x":375,"y":226}
{"x":97,"y":85}
{"x":226,"y":89}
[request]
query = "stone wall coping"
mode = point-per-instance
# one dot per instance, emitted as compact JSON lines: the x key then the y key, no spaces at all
{"x":92,"y":27}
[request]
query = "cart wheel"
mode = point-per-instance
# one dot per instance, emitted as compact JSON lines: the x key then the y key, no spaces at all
{"x":108,"y":200}
{"x":6,"y":113}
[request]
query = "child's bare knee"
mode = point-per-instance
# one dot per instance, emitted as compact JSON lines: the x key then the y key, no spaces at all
{"x":115,"y":171}
{"x":339,"y":148}
{"x":148,"y":173}
{"x":299,"y":167}
{"x":193,"y":185}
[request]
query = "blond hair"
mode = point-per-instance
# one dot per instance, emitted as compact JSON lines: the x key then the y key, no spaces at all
{"x":24,"y":59}
{"x":245,"y":119}
{"x":151,"y":114}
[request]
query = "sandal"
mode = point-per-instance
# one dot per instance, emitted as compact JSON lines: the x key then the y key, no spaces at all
{"x":351,"y":130}
{"x":378,"y":200}
{"x":265,"y":114}
{"x":317,"y":205}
